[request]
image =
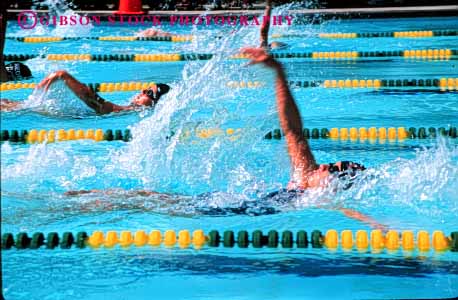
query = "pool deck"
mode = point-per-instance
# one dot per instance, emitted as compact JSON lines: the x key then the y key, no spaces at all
{"x":383,"y":12}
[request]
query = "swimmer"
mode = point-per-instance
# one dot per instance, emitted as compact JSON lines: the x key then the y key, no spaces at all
{"x":153,"y":32}
{"x":147,"y":98}
{"x":15,"y":70}
{"x":265,"y":31}
{"x":305,"y":172}
{"x":3,"y":20}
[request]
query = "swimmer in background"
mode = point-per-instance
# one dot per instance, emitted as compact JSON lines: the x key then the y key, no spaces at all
{"x":265,"y":31}
{"x":305,"y":172}
{"x":13,"y":71}
{"x":153,"y":32}
{"x":3,"y":20}
{"x":147,"y":98}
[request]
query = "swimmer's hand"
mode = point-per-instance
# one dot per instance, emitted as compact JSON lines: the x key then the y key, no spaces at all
{"x":260,"y":56}
{"x":363,"y":218}
{"x":51,"y":78}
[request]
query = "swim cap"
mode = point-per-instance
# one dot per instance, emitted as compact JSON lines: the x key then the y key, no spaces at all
{"x":162,"y":89}
{"x":17,"y":71}
{"x":347,"y":172}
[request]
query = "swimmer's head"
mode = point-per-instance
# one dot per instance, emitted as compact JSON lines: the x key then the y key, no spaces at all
{"x":151,"y":95}
{"x":346,"y":170}
{"x":17,"y":71}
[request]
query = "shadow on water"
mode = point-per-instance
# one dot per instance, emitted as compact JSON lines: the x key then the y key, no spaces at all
{"x":300,"y":266}
{"x":303,"y":263}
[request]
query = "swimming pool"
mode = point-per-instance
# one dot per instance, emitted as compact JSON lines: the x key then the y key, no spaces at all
{"x":410,"y":185}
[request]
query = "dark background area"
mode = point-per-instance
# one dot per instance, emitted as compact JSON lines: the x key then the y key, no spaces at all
{"x":226,"y":4}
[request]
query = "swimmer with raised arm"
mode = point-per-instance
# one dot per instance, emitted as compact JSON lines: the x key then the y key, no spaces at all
{"x":265,"y":30}
{"x":147,"y":98}
{"x":306,"y":173}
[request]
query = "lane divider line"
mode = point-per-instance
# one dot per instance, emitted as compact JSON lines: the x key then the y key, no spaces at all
{"x":430,"y":54}
{"x":380,"y":34}
{"x":444,"y":84}
{"x":376,"y":240}
{"x":352,"y":134}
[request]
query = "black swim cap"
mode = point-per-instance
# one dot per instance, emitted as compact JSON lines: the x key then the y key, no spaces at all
{"x":162,"y":89}
{"x":346,"y":168}
{"x":17,"y":71}
{"x":347,"y":171}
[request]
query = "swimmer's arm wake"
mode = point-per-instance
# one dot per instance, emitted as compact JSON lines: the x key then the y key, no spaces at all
{"x":363,"y":218}
{"x":353,"y":214}
{"x":87,"y":95}
{"x":112,"y":192}
{"x":265,"y":25}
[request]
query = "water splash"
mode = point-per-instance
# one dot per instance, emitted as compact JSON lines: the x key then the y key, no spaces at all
{"x":238,"y":167}
{"x":58,"y":100}
{"x":425,"y":184}
{"x":195,"y":102}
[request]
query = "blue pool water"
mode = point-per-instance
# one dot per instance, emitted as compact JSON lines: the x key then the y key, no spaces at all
{"x":410,"y":185}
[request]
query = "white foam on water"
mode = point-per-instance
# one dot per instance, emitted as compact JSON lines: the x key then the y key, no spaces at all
{"x":58,"y":100}
{"x":182,"y":164}
{"x":200,"y":98}
{"x":426,"y":184}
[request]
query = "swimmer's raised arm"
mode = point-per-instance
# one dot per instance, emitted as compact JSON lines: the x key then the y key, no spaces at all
{"x":87,"y":95}
{"x":265,"y":25}
{"x":301,"y":156}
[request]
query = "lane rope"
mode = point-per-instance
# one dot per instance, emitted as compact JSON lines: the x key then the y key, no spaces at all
{"x":352,"y":134}
{"x":429,"y":54}
{"x":60,"y":135}
{"x":378,"y":34}
{"x":376,"y":240}
{"x":444,"y":83}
